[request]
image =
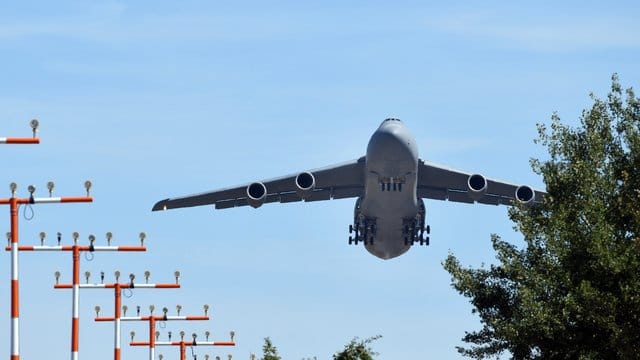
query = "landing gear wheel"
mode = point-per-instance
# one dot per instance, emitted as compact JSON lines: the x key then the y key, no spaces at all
{"x":428,"y":229}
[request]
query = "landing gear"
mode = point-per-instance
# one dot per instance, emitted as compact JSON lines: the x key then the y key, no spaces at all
{"x":363,"y":228}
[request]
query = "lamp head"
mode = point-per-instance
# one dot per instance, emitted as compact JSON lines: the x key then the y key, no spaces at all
{"x":160,"y":357}
{"x":34,"y":123}
{"x":138,"y":310}
{"x":43,"y":235}
{"x":232,"y":334}
{"x":57,"y":275}
{"x":101,"y":277}
{"x":177,"y":275}
{"x":207,"y":334}
{"x":142,"y":237}
{"x":50,"y":186}
{"x":117,"y":275}
{"x":124,"y":309}
{"x":59,"y":236}
{"x":151,"y":308}
{"x":109,"y":236}
{"x":31,"y":190}
{"x":194,"y":336}
{"x":97,"y":308}
{"x":87,"y":275}
{"x":157,"y":335}
{"x":8,"y":237}
{"x":147,"y":274}
{"x":132,"y":277}
{"x":178,"y":308}
{"x":133,"y":334}
{"x":165,"y":311}
{"x":13,"y":187}
{"x":92,"y":239}
{"x":181,"y":335}
{"x":87,"y":186}
{"x":75,"y":237}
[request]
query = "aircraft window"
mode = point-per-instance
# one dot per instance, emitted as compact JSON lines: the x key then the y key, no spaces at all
{"x":391,"y":119}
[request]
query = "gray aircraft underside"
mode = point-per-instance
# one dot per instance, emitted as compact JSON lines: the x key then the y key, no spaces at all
{"x":389,"y":183}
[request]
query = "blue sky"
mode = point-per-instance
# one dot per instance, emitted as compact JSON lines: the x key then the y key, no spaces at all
{"x":155,"y":99}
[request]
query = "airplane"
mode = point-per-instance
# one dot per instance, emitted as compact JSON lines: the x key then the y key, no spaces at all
{"x":389,"y":183}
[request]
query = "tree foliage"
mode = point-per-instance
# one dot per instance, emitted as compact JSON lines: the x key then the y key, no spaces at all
{"x":573,"y":290}
{"x":357,"y":350}
{"x":269,"y":351}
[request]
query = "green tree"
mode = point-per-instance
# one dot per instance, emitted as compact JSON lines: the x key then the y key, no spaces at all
{"x":357,"y":350}
{"x":269,"y":351}
{"x":573,"y":290}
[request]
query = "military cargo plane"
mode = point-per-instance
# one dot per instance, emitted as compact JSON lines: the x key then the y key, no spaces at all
{"x":389,"y":183}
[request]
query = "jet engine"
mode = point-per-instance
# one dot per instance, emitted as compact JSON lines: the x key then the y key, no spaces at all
{"x":256,"y":194}
{"x":525,"y":194}
{"x":477,"y":185}
{"x":305,"y":183}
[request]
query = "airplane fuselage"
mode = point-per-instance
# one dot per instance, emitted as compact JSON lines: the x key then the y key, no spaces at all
{"x":390,"y":201}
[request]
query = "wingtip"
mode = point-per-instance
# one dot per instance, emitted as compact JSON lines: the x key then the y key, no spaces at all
{"x":160,"y":205}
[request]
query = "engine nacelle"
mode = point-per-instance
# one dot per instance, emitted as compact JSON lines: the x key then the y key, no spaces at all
{"x":477,"y":185}
{"x":525,"y":194}
{"x":256,"y":194}
{"x":305,"y":183}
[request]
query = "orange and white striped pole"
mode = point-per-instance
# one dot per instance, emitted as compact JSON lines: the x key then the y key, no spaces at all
{"x":152,"y":324}
{"x":13,"y":203}
{"x":75,"y":285}
{"x":23,"y":140}
{"x":183,"y":344}
{"x":118,"y":287}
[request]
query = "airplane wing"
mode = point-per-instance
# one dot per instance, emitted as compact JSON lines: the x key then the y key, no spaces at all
{"x":442,"y":183}
{"x":333,"y":182}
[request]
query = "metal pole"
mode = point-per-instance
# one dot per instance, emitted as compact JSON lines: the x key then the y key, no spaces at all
{"x":75,"y":322}
{"x":15,"y":318}
{"x":118,"y":295}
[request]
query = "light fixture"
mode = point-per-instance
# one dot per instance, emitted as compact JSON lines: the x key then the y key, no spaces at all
{"x":169,"y":334}
{"x":160,"y":357}
{"x":178,"y":309}
{"x":101,"y":277}
{"x":117,"y":275}
{"x":147,"y":274}
{"x":59,"y":236}
{"x":206,"y":309}
{"x":87,"y":186}
{"x":230,"y":356}
{"x":151,"y":308}
{"x":232,"y":334}
{"x":75,"y":237}
{"x":97,"y":308}
{"x":13,"y":187}
{"x":50,"y":186}
{"x":57,"y":275}
{"x":142,"y":237}
{"x":87,"y":275}
{"x":31,"y":190}
{"x":43,"y":235}
{"x":157,"y":335}
{"x":34,"y":123}
{"x":109,"y":236}
{"x":206,"y":356}
{"x":138,"y":310}
{"x":124,"y":309}
{"x":181,"y":335}
{"x":177,"y":275}
{"x":194,"y":336}
{"x":207,"y":334}
{"x":92,"y":239}
{"x":165,"y":311}
{"x":133,"y":334}
{"x":8,"y":238}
